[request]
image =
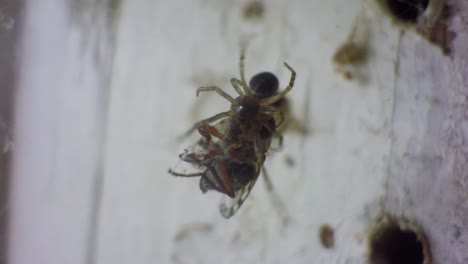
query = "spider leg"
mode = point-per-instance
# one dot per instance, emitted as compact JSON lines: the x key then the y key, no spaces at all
{"x":217,"y":90}
{"x":275,"y":98}
{"x":236,"y":83}
{"x":242,"y":82}
{"x":242,"y":66}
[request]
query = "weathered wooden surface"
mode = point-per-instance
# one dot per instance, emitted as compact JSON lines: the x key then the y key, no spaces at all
{"x":102,"y":96}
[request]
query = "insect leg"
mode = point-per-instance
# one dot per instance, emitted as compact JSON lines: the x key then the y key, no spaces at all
{"x":217,"y":90}
{"x":207,"y":131}
{"x":285,"y":120}
{"x":276,"y":134}
{"x":268,"y":183}
{"x":207,"y":121}
{"x":195,"y":174}
{"x":216,"y":178}
{"x":275,"y":98}
{"x":275,"y":199}
{"x":278,"y":147}
{"x":280,"y":116}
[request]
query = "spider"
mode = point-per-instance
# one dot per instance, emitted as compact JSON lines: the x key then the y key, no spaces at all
{"x":235,"y":142}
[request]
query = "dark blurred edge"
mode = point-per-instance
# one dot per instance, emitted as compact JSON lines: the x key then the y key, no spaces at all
{"x":9,"y":33}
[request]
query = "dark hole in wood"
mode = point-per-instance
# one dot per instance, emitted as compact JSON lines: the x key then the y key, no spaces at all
{"x":407,"y":10}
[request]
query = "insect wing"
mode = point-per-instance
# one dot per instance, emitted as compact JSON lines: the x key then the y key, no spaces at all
{"x":229,"y":207}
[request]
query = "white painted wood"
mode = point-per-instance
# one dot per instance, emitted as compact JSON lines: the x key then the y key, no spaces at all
{"x":393,"y":142}
{"x":60,"y":117}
